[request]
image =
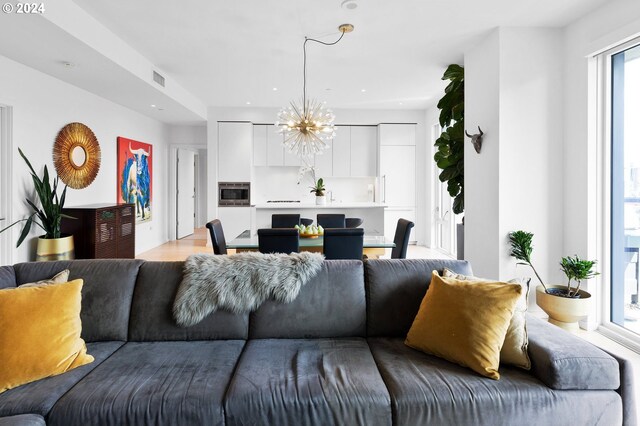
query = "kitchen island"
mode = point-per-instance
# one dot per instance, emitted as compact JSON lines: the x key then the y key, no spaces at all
{"x":372,"y":214}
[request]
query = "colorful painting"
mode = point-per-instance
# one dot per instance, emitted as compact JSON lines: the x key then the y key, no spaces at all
{"x":135,"y":173}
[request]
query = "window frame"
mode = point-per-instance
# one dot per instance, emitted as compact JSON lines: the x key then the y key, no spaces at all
{"x":602,"y":73}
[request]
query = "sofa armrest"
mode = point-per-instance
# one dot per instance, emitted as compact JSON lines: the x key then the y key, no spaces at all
{"x":564,"y":361}
{"x":23,"y":420}
{"x":626,"y":391}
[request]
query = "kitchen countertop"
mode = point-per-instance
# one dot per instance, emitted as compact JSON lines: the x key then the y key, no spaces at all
{"x":334,"y":205}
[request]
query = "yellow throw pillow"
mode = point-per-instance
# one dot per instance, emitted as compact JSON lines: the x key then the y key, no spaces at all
{"x":464,"y":322}
{"x":60,"y":277}
{"x":514,"y":351}
{"x":40,"y":332}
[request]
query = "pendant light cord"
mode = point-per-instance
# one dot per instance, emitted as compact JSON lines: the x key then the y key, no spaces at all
{"x":304,"y":66}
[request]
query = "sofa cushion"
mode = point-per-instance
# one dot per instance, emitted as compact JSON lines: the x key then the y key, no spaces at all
{"x":555,"y":359}
{"x":106,"y":294}
{"x":7,"y":277}
{"x":23,"y":420}
{"x":40,"y":332}
{"x":307,"y":382}
{"x":153,"y":383}
{"x":38,"y":397}
{"x":332,"y":304}
{"x":151,"y":310}
{"x":395,"y":288}
{"x":428,"y":390}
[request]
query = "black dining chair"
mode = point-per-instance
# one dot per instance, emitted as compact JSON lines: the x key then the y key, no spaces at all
{"x":401,"y":239}
{"x":217,"y":237}
{"x":278,"y":240}
{"x":285,"y":220}
{"x":331,"y":221}
{"x":305,"y":221}
{"x":343,"y":243}
{"x":353,"y":222}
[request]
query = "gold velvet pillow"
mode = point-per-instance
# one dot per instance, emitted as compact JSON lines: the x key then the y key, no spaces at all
{"x":40,"y":332}
{"x":514,"y":350}
{"x":464,"y":322}
{"x":60,"y":277}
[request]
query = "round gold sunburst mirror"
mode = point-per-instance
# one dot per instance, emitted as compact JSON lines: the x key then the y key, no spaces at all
{"x":76,"y":155}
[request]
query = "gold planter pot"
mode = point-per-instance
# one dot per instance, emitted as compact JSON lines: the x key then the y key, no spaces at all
{"x":563,"y":311}
{"x":55,"y":248}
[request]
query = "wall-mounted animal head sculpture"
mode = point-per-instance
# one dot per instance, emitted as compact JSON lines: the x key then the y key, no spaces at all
{"x":476,"y":139}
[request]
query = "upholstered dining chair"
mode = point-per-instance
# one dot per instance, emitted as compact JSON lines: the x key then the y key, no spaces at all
{"x":331,"y":221}
{"x":285,"y":220}
{"x":278,"y":240}
{"x":343,"y":243}
{"x":401,"y":239}
{"x":217,"y":237}
{"x":353,"y":222}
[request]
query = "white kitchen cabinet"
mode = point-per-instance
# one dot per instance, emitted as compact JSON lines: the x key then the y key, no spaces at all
{"x":235,"y":151}
{"x":364,"y":151}
{"x":397,"y":134}
{"x":398,"y":175}
{"x":275,"y":149}
{"x":235,"y":220}
{"x":342,"y":152}
{"x":291,"y":159}
{"x":259,"y":145}
{"x":391,"y":216}
{"x":324,"y":162}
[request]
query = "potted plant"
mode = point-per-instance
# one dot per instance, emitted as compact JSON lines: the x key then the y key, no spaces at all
{"x":318,"y":189}
{"x":564,"y":304}
{"x":53,"y":245}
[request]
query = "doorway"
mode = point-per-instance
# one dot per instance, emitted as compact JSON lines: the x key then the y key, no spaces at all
{"x":185,"y":193}
{"x":6,"y":163}
{"x":444,"y":219}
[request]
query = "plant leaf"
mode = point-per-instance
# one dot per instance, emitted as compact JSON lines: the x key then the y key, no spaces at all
{"x":25,"y":231}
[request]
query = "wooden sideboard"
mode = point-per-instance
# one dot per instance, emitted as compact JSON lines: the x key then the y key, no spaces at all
{"x":102,"y":231}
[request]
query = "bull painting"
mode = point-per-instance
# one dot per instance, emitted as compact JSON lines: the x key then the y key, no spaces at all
{"x":135,"y":176}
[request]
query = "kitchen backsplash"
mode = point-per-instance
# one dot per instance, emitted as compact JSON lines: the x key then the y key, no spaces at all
{"x":280,"y":183}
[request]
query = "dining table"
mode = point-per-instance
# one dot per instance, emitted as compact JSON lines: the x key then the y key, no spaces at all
{"x":373,"y":246}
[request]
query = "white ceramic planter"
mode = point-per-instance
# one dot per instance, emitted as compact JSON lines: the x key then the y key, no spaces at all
{"x":321,"y":200}
{"x":562,"y":311}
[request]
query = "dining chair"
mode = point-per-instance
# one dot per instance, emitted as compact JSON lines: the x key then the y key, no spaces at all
{"x":401,"y":239}
{"x":217,"y":237}
{"x":278,"y":240}
{"x":285,"y":220}
{"x":353,"y":222}
{"x":343,"y":243}
{"x":331,"y":221}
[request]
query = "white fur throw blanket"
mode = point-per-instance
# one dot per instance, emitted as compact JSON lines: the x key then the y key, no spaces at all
{"x":240,"y":282}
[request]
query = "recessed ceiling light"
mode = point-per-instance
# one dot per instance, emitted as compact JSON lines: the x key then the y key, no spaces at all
{"x":400,"y":103}
{"x":363,"y":90}
{"x":68,"y":64}
{"x":275,"y":89}
{"x":160,"y":109}
{"x":349,"y":4}
{"x":248,"y":103}
{"x":153,"y":105}
{"x":328,"y":89}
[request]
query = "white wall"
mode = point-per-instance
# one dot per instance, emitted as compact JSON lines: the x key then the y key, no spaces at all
{"x":346,"y":116}
{"x":514,"y":93}
{"x":42,"y":105}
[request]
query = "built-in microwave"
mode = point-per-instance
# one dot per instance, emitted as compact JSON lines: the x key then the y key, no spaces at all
{"x":234,"y":194}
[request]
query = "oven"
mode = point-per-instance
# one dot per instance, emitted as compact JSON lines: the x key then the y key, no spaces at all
{"x":234,"y":194}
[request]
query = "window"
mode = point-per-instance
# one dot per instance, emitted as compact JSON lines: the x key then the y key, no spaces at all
{"x":624,"y":76}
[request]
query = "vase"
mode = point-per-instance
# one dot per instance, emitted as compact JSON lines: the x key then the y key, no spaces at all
{"x":55,"y":248}
{"x":564,"y":312}
{"x":321,"y":200}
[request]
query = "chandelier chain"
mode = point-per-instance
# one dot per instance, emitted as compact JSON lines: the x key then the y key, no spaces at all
{"x":304,"y":63}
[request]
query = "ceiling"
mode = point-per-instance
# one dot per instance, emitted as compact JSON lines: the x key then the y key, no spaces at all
{"x":228,"y":53}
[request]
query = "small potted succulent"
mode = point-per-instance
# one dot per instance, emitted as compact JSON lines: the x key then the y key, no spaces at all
{"x":318,"y":189}
{"x":53,"y":245}
{"x":564,"y":304}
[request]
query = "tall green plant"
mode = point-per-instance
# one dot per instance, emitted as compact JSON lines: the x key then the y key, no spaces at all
{"x":521,"y":248}
{"x":450,"y":144}
{"x":49,"y":215}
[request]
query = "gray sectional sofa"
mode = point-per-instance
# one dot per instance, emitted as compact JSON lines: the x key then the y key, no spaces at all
{"x":334,"y":356}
